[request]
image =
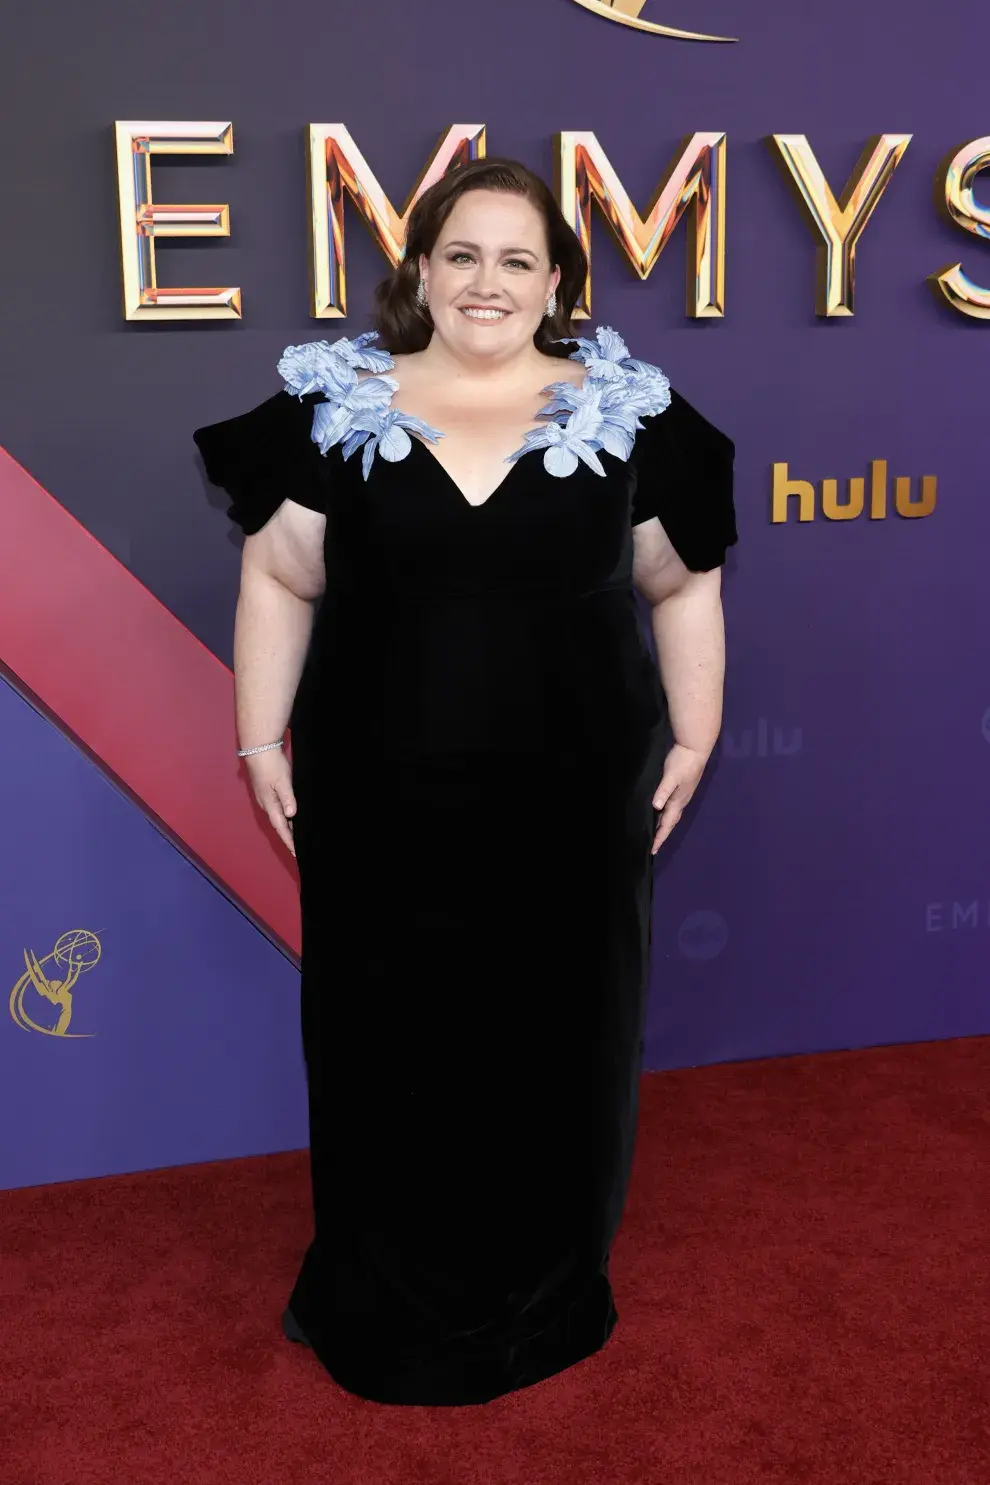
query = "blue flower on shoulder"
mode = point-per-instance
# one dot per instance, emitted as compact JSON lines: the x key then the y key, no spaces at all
{"x":603,"y":413}
{"x":357,"y":411}
{"x":335,"y":419}
{"x":320,"y":366}
{"x":607,"y":359}
{"x":604,"y":356}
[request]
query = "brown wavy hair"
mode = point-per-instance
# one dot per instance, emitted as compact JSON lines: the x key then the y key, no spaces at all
{"x":404,"y":326}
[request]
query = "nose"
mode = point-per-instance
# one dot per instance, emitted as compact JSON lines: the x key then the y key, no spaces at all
{"x":486,"y":284}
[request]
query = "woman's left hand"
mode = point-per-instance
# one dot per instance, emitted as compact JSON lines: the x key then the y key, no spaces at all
{"x":682,"y":772}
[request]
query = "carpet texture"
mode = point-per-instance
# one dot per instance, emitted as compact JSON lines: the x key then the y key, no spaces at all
{"x":801,"y":1278}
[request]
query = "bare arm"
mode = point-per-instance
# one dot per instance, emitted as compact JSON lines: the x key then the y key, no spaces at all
{"x":690,"y":638}
{"x":282,"y":576}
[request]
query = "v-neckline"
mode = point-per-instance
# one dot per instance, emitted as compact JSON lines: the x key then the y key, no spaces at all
{"x":469,"y":504}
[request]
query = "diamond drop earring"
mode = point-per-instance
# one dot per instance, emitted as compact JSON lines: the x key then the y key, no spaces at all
{"x":550,"y":308}
{"x":421,"y":295}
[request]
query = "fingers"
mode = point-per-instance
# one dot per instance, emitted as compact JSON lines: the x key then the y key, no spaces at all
{"x":682,"y":772}
{"x":670,"y":799}
{"x":667,"y":786}
{"x":271,"y":780}
{"x":283,"y":789}
{"x":663,"y":794}
{"x":280,"y":807}
{"x":281,"y":827}
{"x":668,"y":820}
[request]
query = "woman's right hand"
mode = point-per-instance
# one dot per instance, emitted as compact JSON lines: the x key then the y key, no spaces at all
{"x":271,"y":781}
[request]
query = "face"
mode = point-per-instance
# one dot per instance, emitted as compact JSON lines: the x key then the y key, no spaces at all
{"x":489,"y":275}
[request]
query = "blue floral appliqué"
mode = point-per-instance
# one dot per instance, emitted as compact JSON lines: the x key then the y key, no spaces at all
{"x":357,"y":412}
{"x":602,"y":414}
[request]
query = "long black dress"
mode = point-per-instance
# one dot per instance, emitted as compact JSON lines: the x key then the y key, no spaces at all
{"x":477,"y":737}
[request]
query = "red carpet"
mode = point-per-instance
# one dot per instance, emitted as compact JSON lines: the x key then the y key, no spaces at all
{"x":802,"y":1283}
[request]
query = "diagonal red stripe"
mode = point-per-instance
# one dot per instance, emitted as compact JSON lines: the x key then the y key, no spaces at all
{"x":139,"y":692}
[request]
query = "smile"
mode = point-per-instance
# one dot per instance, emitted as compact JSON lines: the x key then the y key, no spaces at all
{"x":484,"y":314}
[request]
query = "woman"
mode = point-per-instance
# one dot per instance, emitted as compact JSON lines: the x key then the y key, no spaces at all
{"x":483,"y":758}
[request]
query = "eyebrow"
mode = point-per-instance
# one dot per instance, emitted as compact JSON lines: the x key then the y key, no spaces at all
{"x":474,"y":248}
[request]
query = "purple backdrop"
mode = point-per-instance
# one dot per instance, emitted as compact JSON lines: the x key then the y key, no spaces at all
{"x":184,"y":1042}
{"x":831,"y":887}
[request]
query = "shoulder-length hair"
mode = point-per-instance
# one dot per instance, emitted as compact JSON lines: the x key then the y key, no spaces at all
{"x":404,"y":326}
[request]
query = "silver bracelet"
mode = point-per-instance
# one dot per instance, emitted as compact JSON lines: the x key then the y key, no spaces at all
{"x":265,"y":748}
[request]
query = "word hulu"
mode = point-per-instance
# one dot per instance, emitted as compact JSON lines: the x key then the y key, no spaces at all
{"x":760,"y":742}
{"x":853,"y":502}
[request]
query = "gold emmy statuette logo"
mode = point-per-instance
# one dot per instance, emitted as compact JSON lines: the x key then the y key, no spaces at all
{"x":627,"y":13}
{"x":49,"y":995}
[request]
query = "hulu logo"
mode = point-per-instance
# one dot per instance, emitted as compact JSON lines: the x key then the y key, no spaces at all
{"x":853,"y":502}
{"x":761,"y":741}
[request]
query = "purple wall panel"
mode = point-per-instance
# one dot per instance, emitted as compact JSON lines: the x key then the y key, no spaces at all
{"x":831,"y":887}
{"x":185,"y":1043}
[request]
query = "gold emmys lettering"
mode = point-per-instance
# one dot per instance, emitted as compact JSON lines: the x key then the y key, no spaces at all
{"x":41,"y":993}
{"x":692,"y":187}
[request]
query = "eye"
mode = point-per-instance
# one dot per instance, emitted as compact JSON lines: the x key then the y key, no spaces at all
{"x":460,"y":257}
{"x":517,"y":263}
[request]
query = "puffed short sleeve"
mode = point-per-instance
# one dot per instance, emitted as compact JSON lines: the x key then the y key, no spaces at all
{"x":683,"y":468}
{"x":266,"y":456}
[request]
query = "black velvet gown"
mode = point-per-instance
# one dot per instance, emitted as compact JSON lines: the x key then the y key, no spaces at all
{"x":476,"y":739}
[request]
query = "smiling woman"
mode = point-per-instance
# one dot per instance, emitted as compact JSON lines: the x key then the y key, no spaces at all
{"x":484,"y":757}
{"x":539,"y":259}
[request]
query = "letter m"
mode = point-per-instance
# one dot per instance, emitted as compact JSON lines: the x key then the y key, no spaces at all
{"x":336,"y":168}
{"x":694,"y":183}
